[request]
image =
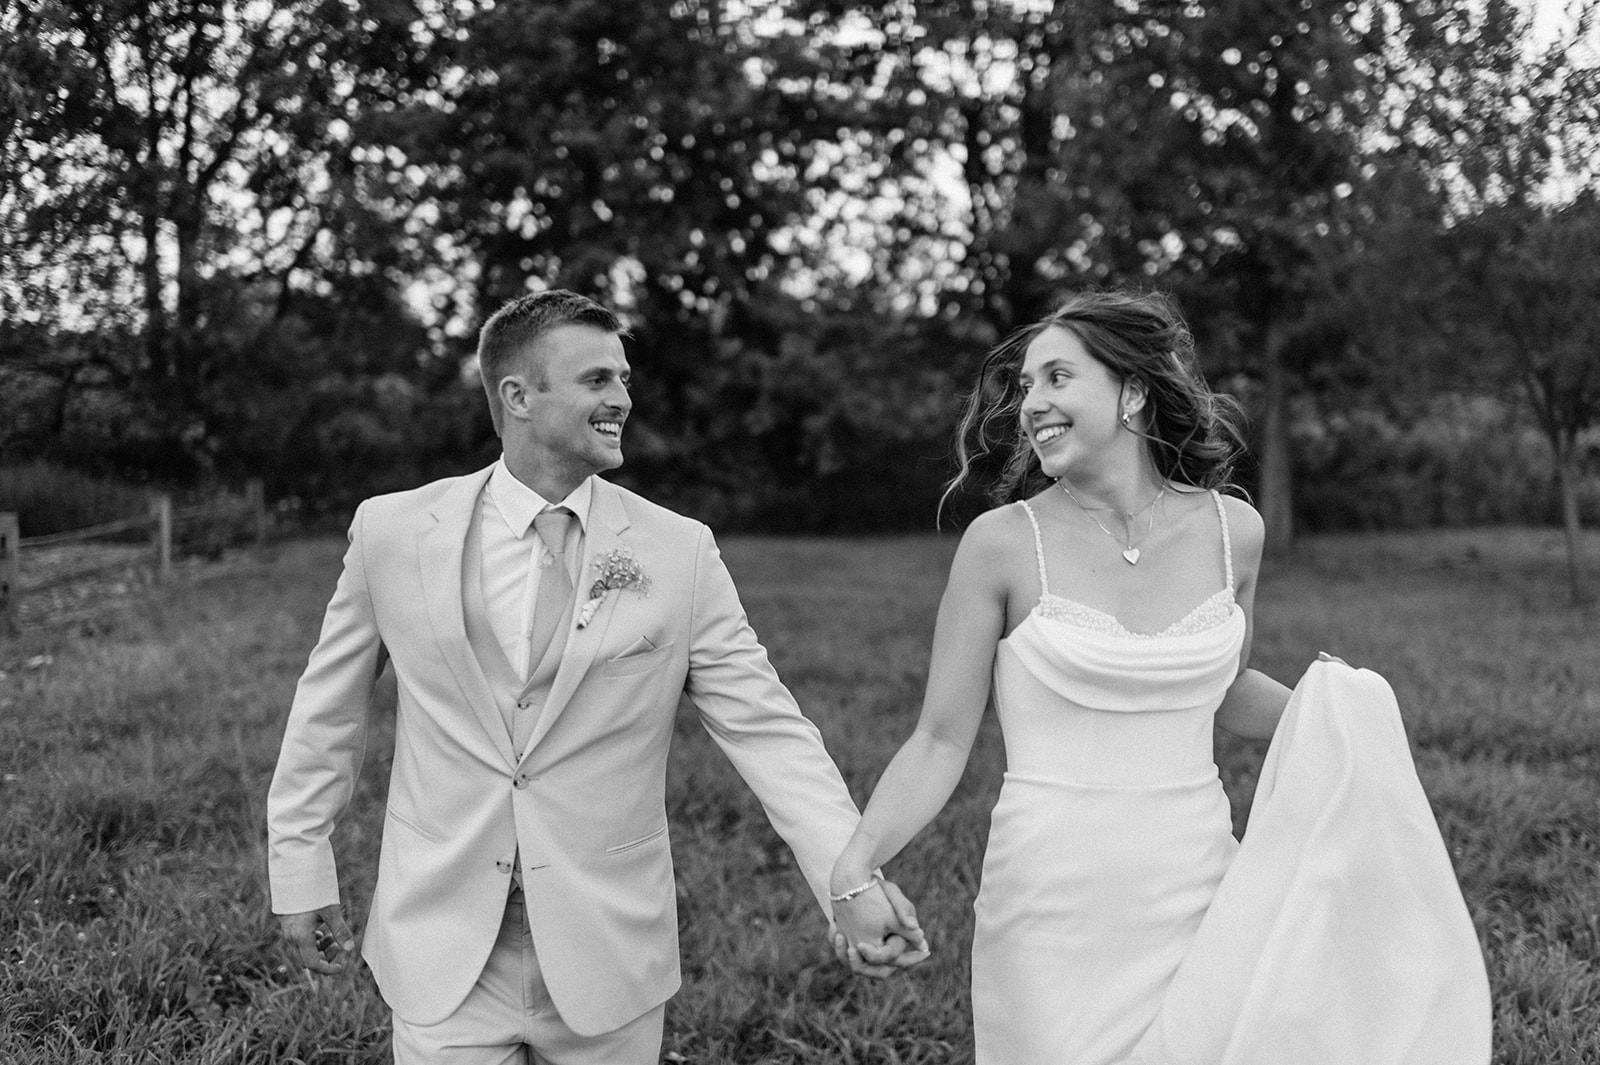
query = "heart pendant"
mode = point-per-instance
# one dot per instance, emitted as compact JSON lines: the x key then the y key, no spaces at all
{"x":1132,"y":555}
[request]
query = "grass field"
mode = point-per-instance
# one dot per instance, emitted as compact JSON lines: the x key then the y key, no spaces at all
{"x":134,"y":764}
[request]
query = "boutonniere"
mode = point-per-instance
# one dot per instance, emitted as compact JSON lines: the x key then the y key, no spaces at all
{"x":616,"y":569}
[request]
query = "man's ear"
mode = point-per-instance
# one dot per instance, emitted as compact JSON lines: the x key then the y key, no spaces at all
{"x":513,"y":392}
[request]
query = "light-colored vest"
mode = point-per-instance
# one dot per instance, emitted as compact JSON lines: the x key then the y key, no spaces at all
{"x":520,"y":702}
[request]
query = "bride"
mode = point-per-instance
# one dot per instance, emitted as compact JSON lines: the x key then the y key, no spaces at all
{"x":1106,"y":608}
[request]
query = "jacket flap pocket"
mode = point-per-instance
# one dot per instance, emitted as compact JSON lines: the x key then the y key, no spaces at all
{"x":641,"y":841}
{"x":411,"y":824}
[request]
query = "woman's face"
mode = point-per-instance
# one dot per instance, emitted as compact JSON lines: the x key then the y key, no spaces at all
{"x":1071,"y":403}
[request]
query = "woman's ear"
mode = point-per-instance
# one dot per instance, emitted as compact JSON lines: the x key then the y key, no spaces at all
{"x":1134,"y":396}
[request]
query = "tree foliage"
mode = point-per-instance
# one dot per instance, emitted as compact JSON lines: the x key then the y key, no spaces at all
{"x":1481,"y":268}
{"x":259,"y":237}
{"x":179,"y":171}
{"x":668,"y":158}
{"x":1202,"y":147}
{"x":1525,"y":296}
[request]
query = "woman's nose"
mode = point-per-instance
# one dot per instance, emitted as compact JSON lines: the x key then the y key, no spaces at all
{"x":1032,"y":401}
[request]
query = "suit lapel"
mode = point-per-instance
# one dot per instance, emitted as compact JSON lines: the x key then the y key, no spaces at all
{"x":440,"y":554}
{"x":608,"y":519}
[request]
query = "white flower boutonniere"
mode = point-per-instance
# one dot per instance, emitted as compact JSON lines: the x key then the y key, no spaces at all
{"x":616,"y":569}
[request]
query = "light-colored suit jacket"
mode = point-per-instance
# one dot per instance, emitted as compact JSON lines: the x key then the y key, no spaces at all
{"x":583,"y":804}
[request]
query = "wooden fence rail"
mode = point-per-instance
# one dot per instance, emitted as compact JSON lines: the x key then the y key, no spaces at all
{"x":93,"y":532}
{"x":158,"y":525}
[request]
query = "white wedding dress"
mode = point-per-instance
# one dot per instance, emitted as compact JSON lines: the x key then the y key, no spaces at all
{"x":1118,"y":921}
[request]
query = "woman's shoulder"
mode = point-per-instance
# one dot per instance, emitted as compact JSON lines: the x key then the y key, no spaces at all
{"x":1245,"y":526}
{"x":997,"y":535}
{"x":992,"y":553}
{"x":1243,"y":519}
{"x":999,"y":526}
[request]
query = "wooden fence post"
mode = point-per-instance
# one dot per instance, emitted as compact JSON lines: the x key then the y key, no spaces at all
{"x":161,"y":533}
{"x":10,"y":574}
{"x":255,"y":494}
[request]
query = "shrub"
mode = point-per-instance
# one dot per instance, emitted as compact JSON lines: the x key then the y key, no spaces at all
{"x":50,"y":498}
{"x":1458,"y":461}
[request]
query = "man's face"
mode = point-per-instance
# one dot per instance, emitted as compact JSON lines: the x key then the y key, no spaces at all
{"x":574,"y":400}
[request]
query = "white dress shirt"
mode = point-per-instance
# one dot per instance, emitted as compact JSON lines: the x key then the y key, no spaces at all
{"x":513,"y":553}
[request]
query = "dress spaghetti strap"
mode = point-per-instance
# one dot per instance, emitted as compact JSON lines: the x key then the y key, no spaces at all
{"x":1038,"y":550}
{"x":1227,"y":541}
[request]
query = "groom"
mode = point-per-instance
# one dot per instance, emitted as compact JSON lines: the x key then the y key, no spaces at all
{"x":543,"y":624}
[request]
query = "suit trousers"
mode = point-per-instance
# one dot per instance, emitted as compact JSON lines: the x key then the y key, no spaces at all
{"x":508,"y":1018}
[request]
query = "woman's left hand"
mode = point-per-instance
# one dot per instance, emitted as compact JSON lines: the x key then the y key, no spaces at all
{"x":877,"y":932}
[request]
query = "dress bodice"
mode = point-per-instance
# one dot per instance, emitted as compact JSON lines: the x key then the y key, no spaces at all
{"x":1082,"y":698}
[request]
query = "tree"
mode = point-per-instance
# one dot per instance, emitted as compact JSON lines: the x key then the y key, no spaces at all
{"x":1524,"y":296}
{"x":1543,"y":317}
{"x":155,"y":153}
{"x":1203,"y":147}
{"x":1252,"y":120}
{"x":1491,"y":282}
{"x":667,"y":157}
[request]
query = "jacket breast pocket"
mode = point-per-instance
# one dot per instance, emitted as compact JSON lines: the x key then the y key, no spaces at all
{"x":643,"y":662}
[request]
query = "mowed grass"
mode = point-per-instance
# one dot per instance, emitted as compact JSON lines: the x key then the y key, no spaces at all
{"x":133,"y":770}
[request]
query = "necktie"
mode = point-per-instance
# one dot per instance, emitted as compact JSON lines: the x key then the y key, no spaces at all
{"x":555,"y":586}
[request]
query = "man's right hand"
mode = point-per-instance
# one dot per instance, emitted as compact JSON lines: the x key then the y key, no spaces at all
{"x":877,"y":932}
{"x":318,"y":940}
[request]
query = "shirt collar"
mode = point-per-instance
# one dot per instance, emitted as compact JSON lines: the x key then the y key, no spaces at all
{"x":519,"y":505}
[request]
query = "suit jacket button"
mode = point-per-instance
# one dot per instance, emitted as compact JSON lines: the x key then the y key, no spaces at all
{"x":504,"y":867}
{"x":521,"y":781}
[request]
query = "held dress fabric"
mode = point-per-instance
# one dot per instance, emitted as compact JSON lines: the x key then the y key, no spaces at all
{"x":1119,"y":923}
{"x":1112,"y":830}
{"x":1339,"y":934}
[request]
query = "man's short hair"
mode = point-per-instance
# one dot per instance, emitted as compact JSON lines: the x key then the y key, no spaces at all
{"x":511,"y":332}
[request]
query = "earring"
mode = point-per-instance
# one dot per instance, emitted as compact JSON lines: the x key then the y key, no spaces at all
{"x":1124,"y":418}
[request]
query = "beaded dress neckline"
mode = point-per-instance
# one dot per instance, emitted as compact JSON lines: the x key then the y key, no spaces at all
{"x":1212,"y":612}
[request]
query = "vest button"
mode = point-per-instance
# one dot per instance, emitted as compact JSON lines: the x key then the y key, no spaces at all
{"x":523,"y":704}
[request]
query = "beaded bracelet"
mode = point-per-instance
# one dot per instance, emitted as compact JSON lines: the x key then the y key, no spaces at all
{"x":859,"y":889}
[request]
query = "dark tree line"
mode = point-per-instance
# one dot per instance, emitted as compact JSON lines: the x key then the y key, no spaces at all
{"x":259,"y":237}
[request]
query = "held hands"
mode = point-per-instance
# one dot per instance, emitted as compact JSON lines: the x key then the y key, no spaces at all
{"x":876,"y":932}
{"x":318,"y":940}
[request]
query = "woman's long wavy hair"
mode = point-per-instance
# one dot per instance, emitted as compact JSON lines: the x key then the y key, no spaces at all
{"x":1193,"y":435}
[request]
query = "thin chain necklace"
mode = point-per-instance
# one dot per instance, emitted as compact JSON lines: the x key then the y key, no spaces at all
{"x":1129,"y":551}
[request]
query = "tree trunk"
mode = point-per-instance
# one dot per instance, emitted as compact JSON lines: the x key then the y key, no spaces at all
{"x":155,"y":326}
{"x":1567,"y":483}
{"x":1277,"y":481}
{"x":185,"y":354}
